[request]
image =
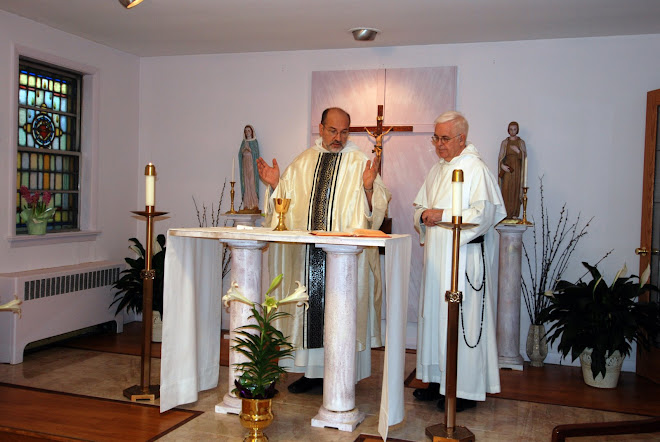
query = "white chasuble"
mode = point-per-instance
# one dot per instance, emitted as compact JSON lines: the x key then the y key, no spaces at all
{"x":478,"y":370}
{"x":327,"y":193}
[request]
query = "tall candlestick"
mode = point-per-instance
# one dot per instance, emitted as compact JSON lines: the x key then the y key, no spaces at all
{"x":525,"y":171}
{"x":150,"y":185}
{"x":457,"y":193}
{"x":233,"y":171}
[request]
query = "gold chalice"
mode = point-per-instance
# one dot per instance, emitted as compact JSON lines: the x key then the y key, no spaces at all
{"x":281,"y":207}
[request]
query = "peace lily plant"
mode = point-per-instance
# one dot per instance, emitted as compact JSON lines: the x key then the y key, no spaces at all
{"x":604,"y":318}
{"x":265,"y":345}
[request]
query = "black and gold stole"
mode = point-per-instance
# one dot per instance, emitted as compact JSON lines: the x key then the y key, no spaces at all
{"x":319,"y":217}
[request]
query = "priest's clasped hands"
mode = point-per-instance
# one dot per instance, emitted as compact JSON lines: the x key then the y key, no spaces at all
{"x":431,"y":217}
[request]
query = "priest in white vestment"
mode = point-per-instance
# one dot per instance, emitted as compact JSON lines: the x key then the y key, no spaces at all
{"x":482,"y":203}
{"x":333,"y":186}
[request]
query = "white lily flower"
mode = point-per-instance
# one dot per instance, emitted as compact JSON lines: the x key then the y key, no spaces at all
{"x":645,"y":276}
{"x":155,"y":246}
{"x":596,"y":285}
{"x":623,"y":271}
{"x":12,"y":306}
{"x":299,"y":295}
{"x":136,"y":250}
{"x":234,"y":295}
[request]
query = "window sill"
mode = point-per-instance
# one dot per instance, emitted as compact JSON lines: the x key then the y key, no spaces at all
{"x":52,"y":238}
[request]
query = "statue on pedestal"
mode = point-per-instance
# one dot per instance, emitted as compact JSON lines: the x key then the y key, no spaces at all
{"x":247,"y":160}
{"x":511,"y":170}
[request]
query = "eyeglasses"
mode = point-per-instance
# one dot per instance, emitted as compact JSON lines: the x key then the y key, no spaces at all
{"x":333,"y":132}
{"x":444,"y":139}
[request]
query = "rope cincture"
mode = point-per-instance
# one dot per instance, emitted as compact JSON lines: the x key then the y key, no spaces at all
{"x":483,"y":300}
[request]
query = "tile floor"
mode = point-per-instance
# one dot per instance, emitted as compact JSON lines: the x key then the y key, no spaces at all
{"x":107,"y":375}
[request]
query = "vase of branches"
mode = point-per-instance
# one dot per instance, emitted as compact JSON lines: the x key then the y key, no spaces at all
{"x":537,"y":345}
{"x":215,"y":215}
{"x":546,"y":262}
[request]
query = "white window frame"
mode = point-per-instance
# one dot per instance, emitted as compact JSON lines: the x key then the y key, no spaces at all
{"x":88,"y":167}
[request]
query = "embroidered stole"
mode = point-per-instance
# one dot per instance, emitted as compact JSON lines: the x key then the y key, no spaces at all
{"x":319,"y":217}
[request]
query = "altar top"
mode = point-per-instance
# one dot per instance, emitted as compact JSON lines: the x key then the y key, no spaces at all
{"x":288,"y":236}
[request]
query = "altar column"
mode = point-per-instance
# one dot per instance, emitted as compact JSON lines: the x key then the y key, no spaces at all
{"x":246,"y":272}
{"x":508,"y":296}
{"x":340,"y":328}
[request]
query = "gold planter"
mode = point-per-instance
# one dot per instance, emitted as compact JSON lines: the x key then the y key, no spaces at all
{"x":256,"y":414}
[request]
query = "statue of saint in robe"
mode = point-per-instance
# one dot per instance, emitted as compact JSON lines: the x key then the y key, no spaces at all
{"x":510,"y":170}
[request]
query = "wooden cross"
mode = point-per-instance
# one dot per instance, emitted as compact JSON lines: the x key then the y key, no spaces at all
{"x":377,"y":132}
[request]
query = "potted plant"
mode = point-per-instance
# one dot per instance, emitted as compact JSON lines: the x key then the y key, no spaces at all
{"x":262,"y":345}
{"x":594,"y":321}
{"x":37,"y":211}
{"x":129,"y":286}
{"x":546,"y":262}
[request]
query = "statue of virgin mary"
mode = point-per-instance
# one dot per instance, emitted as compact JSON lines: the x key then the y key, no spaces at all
{"x":247,"y":159}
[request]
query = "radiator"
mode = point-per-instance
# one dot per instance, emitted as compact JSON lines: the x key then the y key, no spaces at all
{"x":55,"y":301}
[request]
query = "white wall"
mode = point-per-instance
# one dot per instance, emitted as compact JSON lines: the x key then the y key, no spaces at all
{"x":580,"y":104}
{"x":113,"y":136}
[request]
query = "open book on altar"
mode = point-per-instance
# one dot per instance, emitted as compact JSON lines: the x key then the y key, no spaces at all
{"x":357,"y":233}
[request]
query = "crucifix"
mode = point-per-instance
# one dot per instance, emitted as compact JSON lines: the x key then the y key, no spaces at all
{"x":377,"y":132}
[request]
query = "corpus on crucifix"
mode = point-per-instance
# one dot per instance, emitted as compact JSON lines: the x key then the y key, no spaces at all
{"x":378,"y":132}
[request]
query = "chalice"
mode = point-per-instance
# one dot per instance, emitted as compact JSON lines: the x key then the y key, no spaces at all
{"x":281,"y":207}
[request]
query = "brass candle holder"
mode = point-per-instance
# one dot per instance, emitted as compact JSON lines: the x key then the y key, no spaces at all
{"x":281,"y":207}
{"x":232,"y":193}
{"x":449,"y":431}
{"x":524,"y":204}
{"x":146,"y":391}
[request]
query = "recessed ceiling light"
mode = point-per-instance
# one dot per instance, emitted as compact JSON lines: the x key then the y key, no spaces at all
{"x":128,"y":4}
{"x":364,"y":34}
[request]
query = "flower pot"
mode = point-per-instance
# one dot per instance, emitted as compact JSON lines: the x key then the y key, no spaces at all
{"x":613,"y":365}
{"x":36,"y":227}
{"x":537,"y":346}
{"x":156,"y":328}
{"x":256,"y":414}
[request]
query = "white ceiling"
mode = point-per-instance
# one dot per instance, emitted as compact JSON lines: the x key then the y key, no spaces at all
{"x":182,"y":27}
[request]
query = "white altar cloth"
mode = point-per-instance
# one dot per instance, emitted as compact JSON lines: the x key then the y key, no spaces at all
{"x":190,"y":353}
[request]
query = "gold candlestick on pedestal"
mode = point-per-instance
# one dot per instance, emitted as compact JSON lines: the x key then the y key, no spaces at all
{"x":146,"y":391}
{"x":232,"y":193}
{"x":449,"y":431}
{"x":524,"y":204}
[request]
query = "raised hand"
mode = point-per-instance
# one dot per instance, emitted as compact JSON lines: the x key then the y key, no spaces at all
{"x":370,"y":173}
{"x":269,"y":175}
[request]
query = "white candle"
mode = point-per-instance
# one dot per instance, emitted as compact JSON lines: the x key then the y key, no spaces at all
{"x":457,"y":198}
{"x":233,"y":167}
{"x":525,"y":172}
{"x":150,"y":187}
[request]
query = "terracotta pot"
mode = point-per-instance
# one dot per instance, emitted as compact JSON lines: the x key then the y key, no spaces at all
{"x":256,"y":414}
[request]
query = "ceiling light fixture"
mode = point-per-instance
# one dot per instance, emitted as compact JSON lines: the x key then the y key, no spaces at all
{"x":128,"y":4}
{"x":364,"y":34}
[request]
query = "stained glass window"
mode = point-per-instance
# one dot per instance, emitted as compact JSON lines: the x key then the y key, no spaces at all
{"x":48,"y":150}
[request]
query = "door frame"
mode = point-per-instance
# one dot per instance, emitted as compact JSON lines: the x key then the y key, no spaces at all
{"x":648,"y":363}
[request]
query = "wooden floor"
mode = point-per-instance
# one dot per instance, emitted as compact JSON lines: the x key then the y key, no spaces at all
{"x":62,"y":415}
{"x":550,"y":384}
